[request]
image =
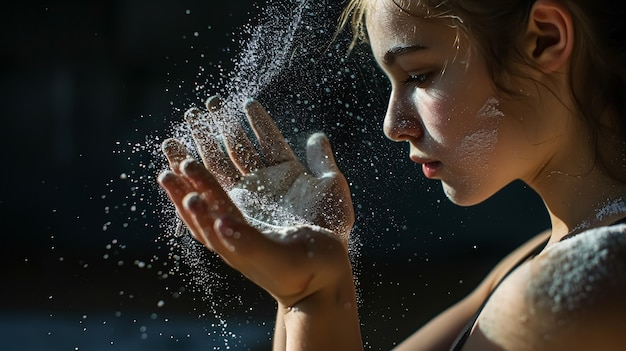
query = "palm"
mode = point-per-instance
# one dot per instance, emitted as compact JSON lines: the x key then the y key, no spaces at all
{"x":287,"y":194}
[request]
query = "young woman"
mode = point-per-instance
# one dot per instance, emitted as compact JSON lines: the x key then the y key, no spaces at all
{"x":485,"y":93}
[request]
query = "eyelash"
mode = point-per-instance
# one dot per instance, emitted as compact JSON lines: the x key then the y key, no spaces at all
{"x":417,"y":79}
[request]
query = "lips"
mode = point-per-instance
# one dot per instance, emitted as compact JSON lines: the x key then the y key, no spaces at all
{"x":430,"y":167}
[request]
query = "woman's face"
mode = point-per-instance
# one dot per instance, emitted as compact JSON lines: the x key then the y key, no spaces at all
{"x":444,"y":105}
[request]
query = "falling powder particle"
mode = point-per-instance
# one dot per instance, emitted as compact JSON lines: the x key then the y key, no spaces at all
{"x":289,"y":62}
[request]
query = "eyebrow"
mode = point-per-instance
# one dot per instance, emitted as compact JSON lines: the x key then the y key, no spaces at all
{"x":396,"y":51}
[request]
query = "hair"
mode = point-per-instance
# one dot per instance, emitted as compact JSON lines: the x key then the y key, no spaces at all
{"x":597,"y":69}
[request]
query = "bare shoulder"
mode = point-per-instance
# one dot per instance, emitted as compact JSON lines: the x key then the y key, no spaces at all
{"x":579,"y":286}
{"x":570,"y":297}
{"x":580,"y":272}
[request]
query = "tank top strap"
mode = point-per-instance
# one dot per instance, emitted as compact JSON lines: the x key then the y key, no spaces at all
{"x":621,"y":221}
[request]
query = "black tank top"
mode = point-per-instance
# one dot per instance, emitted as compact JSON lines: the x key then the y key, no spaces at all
{"x":460,"y":340}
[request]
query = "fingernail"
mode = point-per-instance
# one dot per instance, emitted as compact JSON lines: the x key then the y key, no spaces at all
{"x":213,"y":103}
{"x":192,"y":201}
{"x":193,"y":114}
{"x":170,"y":145}
{"x":189,"y":166}
{"x":165,"y":176}
{"x":316,"y":138}
{"x":249,"y":103}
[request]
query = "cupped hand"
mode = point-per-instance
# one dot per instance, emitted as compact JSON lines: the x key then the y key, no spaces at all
{"x":288,"y":229}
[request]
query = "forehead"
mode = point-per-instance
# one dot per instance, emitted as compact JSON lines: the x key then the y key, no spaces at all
{"x":386,"y":17}
{"x":392,"y":25}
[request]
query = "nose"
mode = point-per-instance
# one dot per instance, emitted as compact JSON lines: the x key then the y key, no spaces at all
{"x":402,"y":120}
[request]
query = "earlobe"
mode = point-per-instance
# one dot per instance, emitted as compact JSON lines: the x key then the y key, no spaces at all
{"x":550,"y":34}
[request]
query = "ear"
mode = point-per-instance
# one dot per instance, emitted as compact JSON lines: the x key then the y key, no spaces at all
{"x":550,"y":35}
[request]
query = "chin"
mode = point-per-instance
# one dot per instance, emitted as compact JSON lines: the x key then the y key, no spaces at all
{"x":464,"y":196}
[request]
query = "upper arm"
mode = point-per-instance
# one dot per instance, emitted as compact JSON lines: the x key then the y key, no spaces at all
{"x":441,"y":331}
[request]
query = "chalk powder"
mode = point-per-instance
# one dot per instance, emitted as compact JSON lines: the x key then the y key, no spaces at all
{"x":490,"y":109}
{"x":569,"y":277}
{"x":582,"y":264}
{"x":287,"y":62}
{"x":478,"y":143}
{"x":476,"y":146}
{"x":606,"y":210}
{"x":262,"y":209}
{"x":577,"y":267}
{"x":266,"y":53}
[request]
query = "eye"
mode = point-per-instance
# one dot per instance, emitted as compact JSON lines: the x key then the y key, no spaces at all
{"x":418,"y":80}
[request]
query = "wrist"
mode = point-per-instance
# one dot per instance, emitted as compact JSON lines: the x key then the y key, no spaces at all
{"x":327,"y":319}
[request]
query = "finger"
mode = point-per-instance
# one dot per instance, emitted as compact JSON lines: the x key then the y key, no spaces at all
{"x":206,"y":141}
{"x":206,"y":203}
{"x":204,"y":182}
{"x":175,"y":152}
{"x":319,"y":155}
{"x":245,"y":243}
{"x":240,"y":149}
{"x":199,"y":209}
{"x":272,"y":142}
{"x":177,"y":188}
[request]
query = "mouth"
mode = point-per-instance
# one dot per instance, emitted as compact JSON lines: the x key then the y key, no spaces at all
{"x":430,"y":167}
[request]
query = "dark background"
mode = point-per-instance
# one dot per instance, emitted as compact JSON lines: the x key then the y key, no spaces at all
{"x":86,"y":260}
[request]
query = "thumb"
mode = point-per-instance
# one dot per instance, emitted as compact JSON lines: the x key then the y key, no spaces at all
{"x":319,"y":156}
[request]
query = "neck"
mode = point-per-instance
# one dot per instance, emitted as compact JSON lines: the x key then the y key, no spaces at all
{"x":580,"y":202}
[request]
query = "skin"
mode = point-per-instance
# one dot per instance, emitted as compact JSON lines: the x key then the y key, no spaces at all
{"x":470,"y":138}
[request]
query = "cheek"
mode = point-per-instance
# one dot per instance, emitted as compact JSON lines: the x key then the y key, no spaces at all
{"x":447,"y":120}
{"x":479,"y":145}
{"x":448,"y":108}
{"x":471,"y":132}
{"x":437,"y":111}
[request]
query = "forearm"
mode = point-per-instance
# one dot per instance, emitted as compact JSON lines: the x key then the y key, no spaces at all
{"x":326,"y":320}
{"x":280,"y":334}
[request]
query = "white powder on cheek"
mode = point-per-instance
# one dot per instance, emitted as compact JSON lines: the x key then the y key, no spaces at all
{"x":475,"y":149}
{"x":477,"y":146}
{"x":438,"y":94}
{"x":490,"y":109}
{"x":473,"y":156}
